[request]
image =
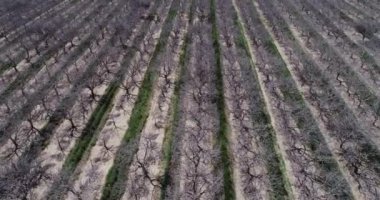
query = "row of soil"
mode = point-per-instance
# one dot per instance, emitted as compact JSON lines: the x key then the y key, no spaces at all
{"x":61,"y":104}
{"x":15,"y":78}
{"x":257,"y":166}
{"x":83,"y":147}
{"x":362,"y":99}
{"x":38,"y":37}
{"x":344,"y":134}
{"x":307,"y":160}
{"x":146,"y":169}
{"x":46,"y":78}
{"x":31,"y":119}
{"x":21,"y":15}
{"x":194,"y":172}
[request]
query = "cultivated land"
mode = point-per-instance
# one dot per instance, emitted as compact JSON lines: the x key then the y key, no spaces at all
{"x":189,"y":99}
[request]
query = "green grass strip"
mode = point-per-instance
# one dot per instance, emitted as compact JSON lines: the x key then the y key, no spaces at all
{"x":276,"y":166}
{"x":222,"y":139}
{"x":92,"y":128}
{"x":174,"y":119}
{"x":86,"y":140}
{"x":136,"y":123}
{"x":168,"y":144}
{"x":6,"y":66}
{"x":117,"y":175}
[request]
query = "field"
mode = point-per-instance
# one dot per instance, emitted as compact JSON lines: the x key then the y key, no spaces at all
{"x":189,"y":99}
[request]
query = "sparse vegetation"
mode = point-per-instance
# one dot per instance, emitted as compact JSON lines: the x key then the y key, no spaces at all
{"x":200,"y":99}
